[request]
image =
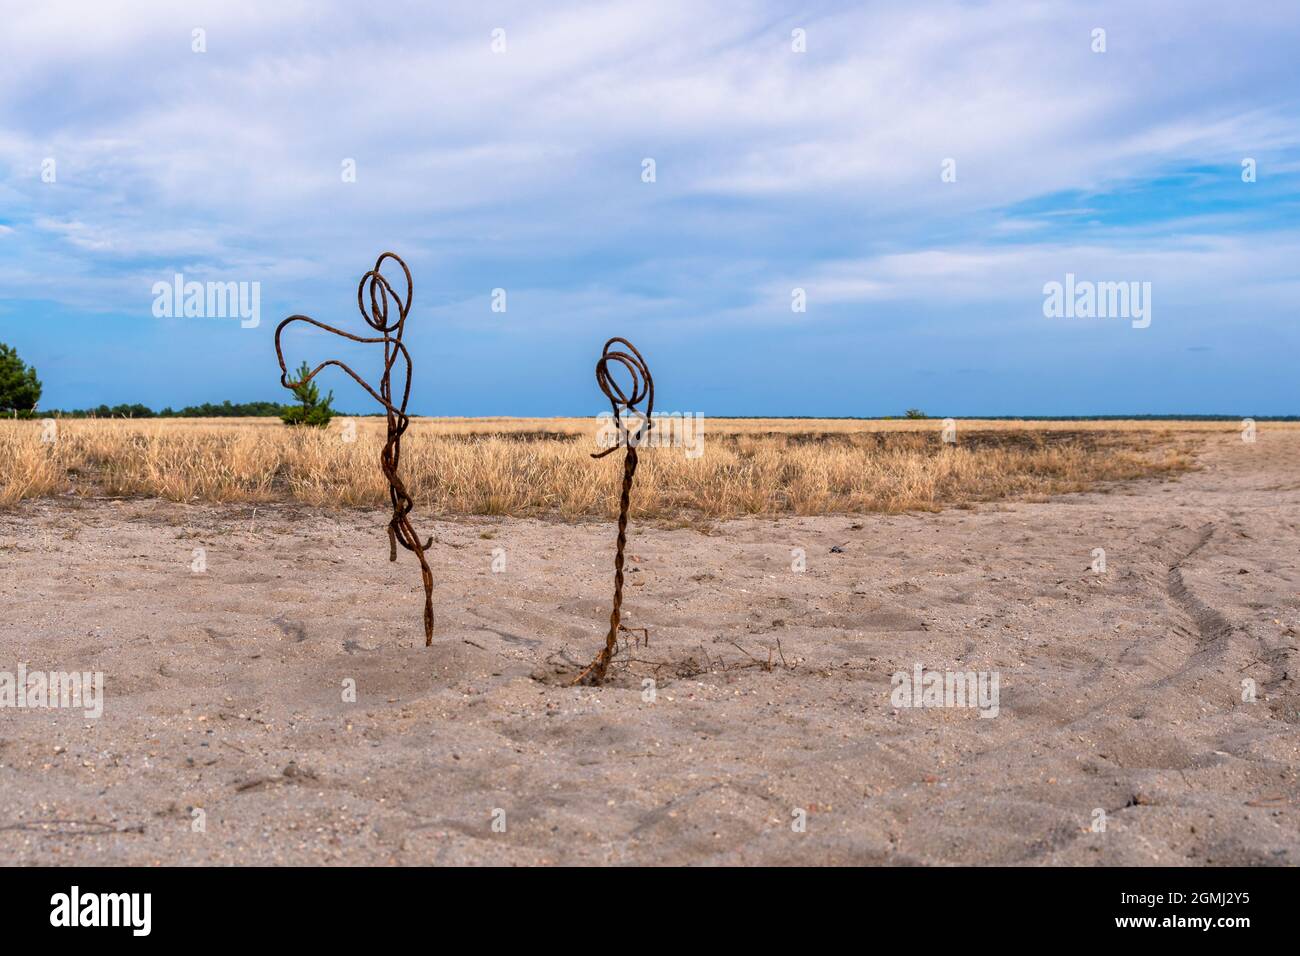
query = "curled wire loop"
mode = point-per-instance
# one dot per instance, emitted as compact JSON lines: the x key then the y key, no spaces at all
{"x":383,"y":300}
{"x":641,"y":389}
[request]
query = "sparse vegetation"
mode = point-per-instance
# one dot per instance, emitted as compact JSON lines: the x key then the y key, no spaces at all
{"x":541,"y":466}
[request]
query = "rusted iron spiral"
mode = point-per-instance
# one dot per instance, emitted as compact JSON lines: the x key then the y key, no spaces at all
{"x":642,"y":389}
{"x":379,"y":291}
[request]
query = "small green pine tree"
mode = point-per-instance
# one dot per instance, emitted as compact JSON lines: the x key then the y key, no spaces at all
{"x":313,"y":410}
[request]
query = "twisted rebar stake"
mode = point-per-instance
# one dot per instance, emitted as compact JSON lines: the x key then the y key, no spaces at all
{"x":642,"y":388}
{"x":399,"y":528}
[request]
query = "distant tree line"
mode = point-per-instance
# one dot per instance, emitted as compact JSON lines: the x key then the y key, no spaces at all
{"x":226,"y":409}
{"x":311,"y":410}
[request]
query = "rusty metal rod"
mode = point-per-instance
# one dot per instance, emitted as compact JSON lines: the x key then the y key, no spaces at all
{"x":642,"y":388}
{"x":380,"y":290}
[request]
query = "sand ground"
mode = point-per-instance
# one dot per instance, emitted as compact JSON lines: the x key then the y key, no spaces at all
{"x":1120,"y":691}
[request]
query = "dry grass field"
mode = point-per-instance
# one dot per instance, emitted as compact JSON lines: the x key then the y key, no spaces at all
{"x":541,"y":467}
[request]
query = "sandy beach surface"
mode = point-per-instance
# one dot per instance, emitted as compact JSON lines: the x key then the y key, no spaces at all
{"x":1124,"y":731}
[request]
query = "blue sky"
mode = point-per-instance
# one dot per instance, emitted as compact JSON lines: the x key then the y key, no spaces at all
{"x":775,"y":170}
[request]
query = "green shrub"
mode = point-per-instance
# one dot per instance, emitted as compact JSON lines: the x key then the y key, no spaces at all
{"x":314,"y":410}
{"x":20,"y":389}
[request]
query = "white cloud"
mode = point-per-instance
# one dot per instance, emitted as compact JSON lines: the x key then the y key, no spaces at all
{"x":1183,"y":270}
{"x":231,"y":158}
